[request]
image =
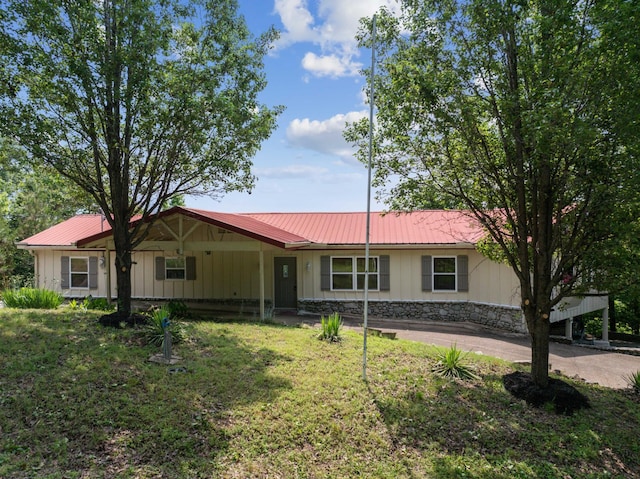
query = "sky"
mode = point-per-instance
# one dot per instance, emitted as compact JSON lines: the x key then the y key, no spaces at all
{"x":314,"y":71}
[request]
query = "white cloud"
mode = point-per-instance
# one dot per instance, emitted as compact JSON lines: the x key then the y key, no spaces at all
{"x":291,"y":171}
{"x":330,"y":65}
{"x":324,"y":136}
{"x":332,"y":27}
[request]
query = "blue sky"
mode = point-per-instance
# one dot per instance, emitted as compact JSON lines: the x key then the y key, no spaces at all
{"x":314,"y":71}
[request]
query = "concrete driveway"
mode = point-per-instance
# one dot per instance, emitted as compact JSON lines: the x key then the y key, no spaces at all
{"x":606,"y":368}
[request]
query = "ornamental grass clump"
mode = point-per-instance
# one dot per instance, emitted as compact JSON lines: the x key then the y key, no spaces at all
{"x":153,"y":329}
{"x":331,"y":326}
{"x":31,"y":298}
{"x":633,"y":380}
{"x":451,"y":364}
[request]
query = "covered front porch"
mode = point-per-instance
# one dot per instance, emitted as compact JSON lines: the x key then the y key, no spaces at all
{"x":575,"y":306}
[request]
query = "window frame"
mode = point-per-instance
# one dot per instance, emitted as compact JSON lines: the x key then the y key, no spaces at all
{"x":167,"y":268}
{"x":354,"y":273}
{"x":76,"y":274}
{"x":435,"y":274}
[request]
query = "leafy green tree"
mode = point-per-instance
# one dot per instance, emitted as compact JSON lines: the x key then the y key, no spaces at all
{"x":526,"y":113}
{"x":32,"y":198}
{"x":135,"y":101}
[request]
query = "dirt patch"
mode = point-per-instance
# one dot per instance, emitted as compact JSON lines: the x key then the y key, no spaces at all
{"x":565,"y":398}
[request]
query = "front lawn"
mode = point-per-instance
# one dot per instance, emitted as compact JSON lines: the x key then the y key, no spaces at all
{"x":260,"y":400}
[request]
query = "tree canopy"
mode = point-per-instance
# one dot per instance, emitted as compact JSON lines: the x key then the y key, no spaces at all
{"x":523,"y":112}
{"x":137,"y":102}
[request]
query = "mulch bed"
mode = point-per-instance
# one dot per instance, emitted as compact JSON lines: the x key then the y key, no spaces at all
{"x":565,"y":398}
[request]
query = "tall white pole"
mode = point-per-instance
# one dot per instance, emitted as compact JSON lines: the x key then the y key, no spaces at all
{"x":366,"y":247}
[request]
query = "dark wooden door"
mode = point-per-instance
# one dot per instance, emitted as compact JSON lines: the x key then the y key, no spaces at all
{"x":286,"y":294}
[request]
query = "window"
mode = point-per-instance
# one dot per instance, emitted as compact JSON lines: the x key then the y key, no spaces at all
{"x":348,"y":273}
{"x":79,"y":271}
{"x":175,"y":268}
{"x":444,"y":274}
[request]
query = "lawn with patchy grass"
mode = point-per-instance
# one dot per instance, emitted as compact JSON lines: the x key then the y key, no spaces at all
{"x":260,"y":400}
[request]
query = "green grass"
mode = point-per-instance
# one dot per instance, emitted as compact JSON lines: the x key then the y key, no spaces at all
{"x":261,"y":400}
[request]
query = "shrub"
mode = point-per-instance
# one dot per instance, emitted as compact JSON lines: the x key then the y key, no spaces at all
{"x":177,"y":309}
{"x":100,"y":304}
{"x":154,"y":332}
{"x":331,"y":328}
{"x":31,"y":298}
{"x":451,"y":364}
{"x":633,"y":380}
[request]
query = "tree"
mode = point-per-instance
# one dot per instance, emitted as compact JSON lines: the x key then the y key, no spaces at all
{"x":137,"y":102}
{"x":32,"y":198}
{"x":522,"y":111}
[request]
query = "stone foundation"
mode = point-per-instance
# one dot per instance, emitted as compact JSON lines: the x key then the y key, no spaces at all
{"x":492,"y":315}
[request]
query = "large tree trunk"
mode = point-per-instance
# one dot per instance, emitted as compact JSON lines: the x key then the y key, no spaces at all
{"x":539,"y":327}
{"x":122,"y":243}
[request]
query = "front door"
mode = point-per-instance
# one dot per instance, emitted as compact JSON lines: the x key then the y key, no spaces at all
{"x":286,"y":293}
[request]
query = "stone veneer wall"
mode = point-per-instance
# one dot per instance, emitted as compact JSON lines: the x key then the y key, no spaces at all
{"x":492,"y":315}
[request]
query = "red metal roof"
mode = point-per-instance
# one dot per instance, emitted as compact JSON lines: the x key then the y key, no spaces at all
{"x":68,"y":232}
{"x":415,"y":228}
{"x":435,"y":227}
{"x":249,"y":226}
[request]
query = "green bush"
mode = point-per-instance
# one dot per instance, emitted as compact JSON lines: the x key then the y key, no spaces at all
{"x":154,"y":332}
{"x":331,"y":328}
{"x":99,"y":304}
{"x":451,"y":364}
{"x":31,"y":298}
{"x":178,"y":309}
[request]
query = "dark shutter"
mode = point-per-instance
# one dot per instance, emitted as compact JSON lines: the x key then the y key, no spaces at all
{"x":190,"y":265}
{"x":93,"y":272}
{"x":427,"y":280}
{"x":160,"y":268}
{"x":325,"y":273}
{"x":385,"y":281}
{"x":64,"y":273}
{"x":463,"y":273}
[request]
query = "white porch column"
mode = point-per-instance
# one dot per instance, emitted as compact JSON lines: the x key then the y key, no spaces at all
{"x":568,"y":329}
{"x":605,"y":329}
{"x":261,"y":254}
{"x":107,"y":265}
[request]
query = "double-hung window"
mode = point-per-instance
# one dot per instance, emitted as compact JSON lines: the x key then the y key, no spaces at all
{"x":445,"y":273}
{"x":175,"y":268}
{"x":348,"y":273}
{"x":79,"y":272}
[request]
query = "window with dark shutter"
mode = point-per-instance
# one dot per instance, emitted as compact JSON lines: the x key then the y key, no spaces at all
{"x":427,"y":281}
{"x":385,"y":276}
{"x":93,"y":272}
{"x":463,"y":273}
{"x":64,"y":273}
{"x":325,"y":273}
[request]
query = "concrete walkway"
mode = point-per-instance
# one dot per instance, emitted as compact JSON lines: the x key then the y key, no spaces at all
{"x":604,"y":367}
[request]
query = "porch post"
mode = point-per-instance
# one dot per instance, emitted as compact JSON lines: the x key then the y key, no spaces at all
{"x":107,"y":260}
{"x":605,"y":324}
{"x":568,"y":329}
{"x":604,"y":342}
{"x":261,"y":254}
